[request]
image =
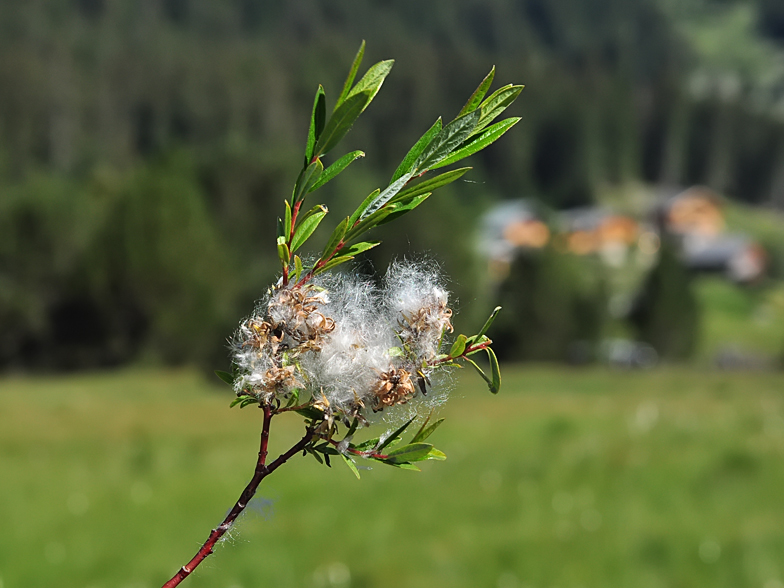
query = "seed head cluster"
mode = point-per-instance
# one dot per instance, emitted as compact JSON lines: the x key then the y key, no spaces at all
{"x":352,"y":347}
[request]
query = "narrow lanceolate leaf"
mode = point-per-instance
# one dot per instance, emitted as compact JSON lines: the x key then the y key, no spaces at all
{"x":351,"y":75}
{"x":488,"y":323}
{"x":298,"y":269}
{"x":225,"y":376}
{"x":316,"y":122}
{"x":487,"y":137}
{"x":306,"y":228}
{"x":400,"y":208}
{"x":372,"y":80}
{"x":244,"y":400}
{"x":425,"y":432}
{"x":476,"y":98}
{"x":458,"y":347}
{"x":496,"y":103}
{"x":495,"y":371}
{"x":363,"y":207}
{"x":346,"y":254}
{"x":356,"y":249}
{"x":335,"y":239}
{"x":409,"y":453}
{"x":350,"y":464}
{"x":368,"y":223}
{"x":450,"y":137}
{"x":287,"y":220}
{"x":336,"y":168}
{"x":341,"y":122}
{"x":407,"y":164}
{"x":284,"y":254}
{"x":431,"y":184}
{"x":386,"y":195}
{"x":306,"y":179}
{"x":315,"y":210}
{"x":395,"y":435}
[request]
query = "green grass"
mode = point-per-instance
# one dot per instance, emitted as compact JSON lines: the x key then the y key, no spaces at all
{"x":567,"y":478}
{"x":741,"y":318}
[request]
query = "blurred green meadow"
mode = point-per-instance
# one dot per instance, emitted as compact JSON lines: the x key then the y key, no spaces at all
{"x":568,"y":478}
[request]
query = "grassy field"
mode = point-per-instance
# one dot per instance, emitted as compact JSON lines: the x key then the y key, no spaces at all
{"x":569,"y":478}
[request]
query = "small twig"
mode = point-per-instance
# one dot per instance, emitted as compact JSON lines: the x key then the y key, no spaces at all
{"x":262,"y":471}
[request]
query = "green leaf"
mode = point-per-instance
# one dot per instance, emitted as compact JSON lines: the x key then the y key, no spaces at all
{"x":396,"y":352}
{"x":316,"y":209}
{"x":350,"y":464}
{"x":335,"y":261}
{"x":479,"y":142}
{"x":287,"y":221}
{"x":400,"y":208}
{"x":432,"y":184}
{"x":306,"y":179}
{"x":225,"y":376}
{"x":310,"y":412}
{"x":424,"y":432}
{"x":306,"y":229}
{"x":356,"y":249}
{"x":365,"y":445}
{"x":498,"y":101}
{"x":450,"y":137}
{"x":298,"y":268}
{"x":335,"y":239}
{"x":316,"y":122}
{"x":368,"y":223}
{"x":341,"y":122}
{"x":351,"y":75}
{"x":346,"y":254}
{"x":243,"y":398}
{"x":386,"y":195}
{"x":283,"y":251}
{"x":372,"y":80}
{"x":363,"y":207}
{"x":495,"y":370}
{"x":395,"y":435}
{"x":436,"y":454}
{"x":409,"y":453}
{"x":458,"y":347}
{"x":336,"y":168}
{"x":479,"y":93}
{"x":407,"y":165}
{"x":488,"y":323}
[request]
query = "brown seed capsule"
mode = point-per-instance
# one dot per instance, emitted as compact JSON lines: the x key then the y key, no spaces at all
{"x":392,"y":387}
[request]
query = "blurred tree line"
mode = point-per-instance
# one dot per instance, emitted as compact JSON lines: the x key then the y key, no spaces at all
{"x":146,"y":147}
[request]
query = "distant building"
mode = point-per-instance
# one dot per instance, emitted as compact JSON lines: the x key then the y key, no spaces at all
{"x":695,"y":217}
{"x":696,"y":211}
{"x":507,"y":229}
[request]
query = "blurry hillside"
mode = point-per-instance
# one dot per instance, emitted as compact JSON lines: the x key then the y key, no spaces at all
{"x":146,"y":147}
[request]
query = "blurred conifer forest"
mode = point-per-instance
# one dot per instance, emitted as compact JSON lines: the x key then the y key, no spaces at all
{"x":146,"y":147}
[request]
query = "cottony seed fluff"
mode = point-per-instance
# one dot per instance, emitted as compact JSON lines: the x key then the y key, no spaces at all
{"x":354,"y":348}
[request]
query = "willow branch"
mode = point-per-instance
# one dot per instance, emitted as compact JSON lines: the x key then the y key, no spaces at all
{"x":262,"y":471}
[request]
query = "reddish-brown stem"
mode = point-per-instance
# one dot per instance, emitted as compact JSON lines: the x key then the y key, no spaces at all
{"x":467,"y":350}
{"x":262,"y":471}
{"x":321,"y":263}
{"x":373,"y":454}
